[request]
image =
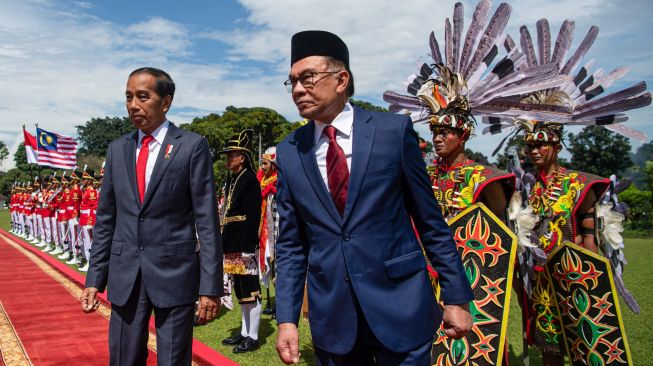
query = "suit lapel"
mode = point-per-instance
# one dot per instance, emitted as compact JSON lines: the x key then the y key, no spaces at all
{"x":130,"y":163}
{"x":363,"y":132}
{"x":162,"y":162}
{"x":306,"y":148}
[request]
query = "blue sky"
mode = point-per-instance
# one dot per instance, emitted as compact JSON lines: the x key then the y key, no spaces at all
{"x":63,"y":62}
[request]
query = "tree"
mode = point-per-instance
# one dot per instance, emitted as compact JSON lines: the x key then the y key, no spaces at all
{"x":367,"y":105}
{"x":267,"y":124}
{"x":640,"y":208}
{"x":477,"y":157}
{"x":96,"y":134}
{"x":637,"y":171}
{"x":648,"y":172}
{"x":4,"y":153}
{"x":599,"y":151}
{"x":20,"y":158}
{"x":13,"y":175}
{"x":643,"y":154}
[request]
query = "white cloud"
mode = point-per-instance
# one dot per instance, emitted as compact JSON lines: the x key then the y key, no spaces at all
{"x":386,"y":38}
{"x":62,"y":66}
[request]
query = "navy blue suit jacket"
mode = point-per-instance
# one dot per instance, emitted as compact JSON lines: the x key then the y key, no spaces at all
{"x":159,"y":237}
{"x":370,"y":255}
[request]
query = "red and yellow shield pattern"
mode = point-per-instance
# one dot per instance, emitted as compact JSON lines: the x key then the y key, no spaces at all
{"x":592,"y":325}
{"x":487,"y":249}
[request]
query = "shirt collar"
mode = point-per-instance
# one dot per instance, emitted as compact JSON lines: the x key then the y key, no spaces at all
{"x":343,"y":122}
{"x":159,"y":134}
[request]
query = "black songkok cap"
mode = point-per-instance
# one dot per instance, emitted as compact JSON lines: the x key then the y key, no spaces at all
{"x":317,"y":43}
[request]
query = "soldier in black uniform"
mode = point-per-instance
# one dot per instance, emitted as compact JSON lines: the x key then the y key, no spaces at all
{"x":241,"y":214}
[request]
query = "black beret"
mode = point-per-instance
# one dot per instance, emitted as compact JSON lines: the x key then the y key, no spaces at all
{"x":317,"y":43}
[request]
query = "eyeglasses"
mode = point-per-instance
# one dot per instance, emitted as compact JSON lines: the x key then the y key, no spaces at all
{"x":307,"y":80}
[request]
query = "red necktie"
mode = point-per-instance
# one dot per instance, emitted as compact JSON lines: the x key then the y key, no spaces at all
{"x":337,"y":171}
{"x":141,"y":164}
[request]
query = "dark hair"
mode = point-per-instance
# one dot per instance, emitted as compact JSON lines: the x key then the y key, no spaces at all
{"x":339,"y":64}
{"x":164,"y":84}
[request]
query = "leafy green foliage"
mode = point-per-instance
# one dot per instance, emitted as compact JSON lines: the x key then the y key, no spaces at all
{"x":477,"y":157}
{"x":640,"y":203}
{"x":20,"y":158}
{"x":269,"y":127}
{"x":13,"y":175}
{"x":96,"y":134}
{"x":599,"y":151}
{"x":367,"y":105}
{"x":4,"y":152}
{"x":643,"y":154}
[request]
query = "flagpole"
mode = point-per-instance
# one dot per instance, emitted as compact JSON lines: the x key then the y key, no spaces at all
{"x":38,"y":166}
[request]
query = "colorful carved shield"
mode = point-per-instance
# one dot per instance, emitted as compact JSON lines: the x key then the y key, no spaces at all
{"x":592,"y":325}
{"x":488,"y":250}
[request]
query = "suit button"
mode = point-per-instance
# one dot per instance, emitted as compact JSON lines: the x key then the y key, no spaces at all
{"x":140,"y":246}
{"x":141,"y":219}
{"x":345,"y":236}
{"x":347,"y":279}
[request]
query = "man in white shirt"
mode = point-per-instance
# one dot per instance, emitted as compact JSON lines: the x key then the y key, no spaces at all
{"x":351,"y":184}
{"x":157,"y":199}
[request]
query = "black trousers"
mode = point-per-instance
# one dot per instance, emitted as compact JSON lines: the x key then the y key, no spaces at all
{"x":128,"y":331}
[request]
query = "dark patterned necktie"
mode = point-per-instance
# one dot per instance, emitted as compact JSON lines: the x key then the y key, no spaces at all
{"x":337,"y":171}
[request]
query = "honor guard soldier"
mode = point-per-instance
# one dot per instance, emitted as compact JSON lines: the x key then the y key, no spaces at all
{"x":87,"y":207}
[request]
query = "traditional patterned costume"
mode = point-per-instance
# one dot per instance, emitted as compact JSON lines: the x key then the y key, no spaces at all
{"x":269,"y":227}
{"x":457,"y":86}
{"x":573,"y":307}
{"x":240,"y":219}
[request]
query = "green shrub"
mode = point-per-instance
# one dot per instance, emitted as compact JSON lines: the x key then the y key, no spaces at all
{"x":640,"y":205}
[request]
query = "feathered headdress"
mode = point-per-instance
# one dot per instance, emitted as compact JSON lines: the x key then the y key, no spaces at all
{"x":584,"y":106}
{"x":466,"y":82}
{"x":543,"y":131}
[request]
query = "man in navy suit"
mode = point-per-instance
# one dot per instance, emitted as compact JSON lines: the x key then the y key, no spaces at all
{"x":351,"y":185}
{"x":156,"y":241}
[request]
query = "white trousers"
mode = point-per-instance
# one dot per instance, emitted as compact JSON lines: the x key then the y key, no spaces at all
{"x":63,"y":234}
{"x":54,"y":230}
{"x":41,"y":228}
{"x":72,"y":230}
{"x":87,"y":233}
{"x":251,"y":319}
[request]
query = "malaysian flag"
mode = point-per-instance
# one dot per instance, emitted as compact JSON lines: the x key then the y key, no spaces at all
{"x":56,"y":150}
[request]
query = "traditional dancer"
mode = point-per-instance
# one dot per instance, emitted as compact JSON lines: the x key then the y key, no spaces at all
{"x":240,"y":224}
{"x":568,"y":215}
{"x":458,"y":87}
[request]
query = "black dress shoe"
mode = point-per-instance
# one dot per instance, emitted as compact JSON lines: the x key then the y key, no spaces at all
{"x":232,"y":341}
{"x":247,"y":345}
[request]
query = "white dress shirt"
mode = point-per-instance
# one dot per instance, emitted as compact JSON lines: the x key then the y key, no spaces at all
{"x":155,"y":145}
{"x":343,"y":123}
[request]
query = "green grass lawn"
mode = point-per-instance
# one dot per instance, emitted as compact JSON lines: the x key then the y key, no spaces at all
{"x":638,"y":274}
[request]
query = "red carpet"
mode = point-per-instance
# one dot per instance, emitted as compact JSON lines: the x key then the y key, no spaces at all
{"x":42,"y":307}
{"x":26,"y":271}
